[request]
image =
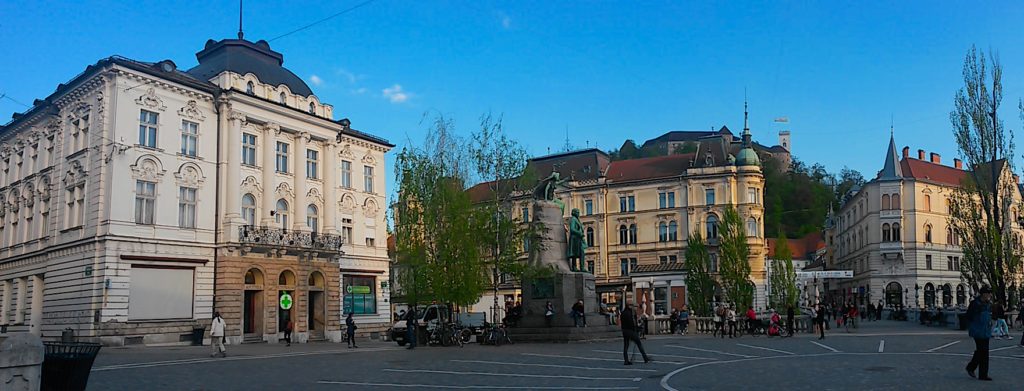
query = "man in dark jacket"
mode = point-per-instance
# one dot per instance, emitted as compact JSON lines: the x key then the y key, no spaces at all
{"x":979,"y":317}
{"x":629,"y":327}
{"x":410,"y":328}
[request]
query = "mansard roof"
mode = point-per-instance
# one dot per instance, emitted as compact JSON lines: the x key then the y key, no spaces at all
{"x":241,"y":56}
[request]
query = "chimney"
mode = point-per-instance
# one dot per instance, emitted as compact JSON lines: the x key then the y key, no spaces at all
{"x":906,"y":152}
{"x":1016,"y":178}
{"x":958,"y":164}
{"x":936,"y":158}
{"x":920,"y":154}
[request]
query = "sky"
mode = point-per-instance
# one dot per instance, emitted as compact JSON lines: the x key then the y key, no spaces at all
{"x":599,"y":71}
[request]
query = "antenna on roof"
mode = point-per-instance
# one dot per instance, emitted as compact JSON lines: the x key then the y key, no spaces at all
{"x":891,"y":131}
{"x":240,"y":34}
{"x":746,"y":127}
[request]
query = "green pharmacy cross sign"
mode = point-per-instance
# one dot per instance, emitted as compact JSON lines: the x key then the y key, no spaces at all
{"x":286,"y":301}
{"x":358,"y":289}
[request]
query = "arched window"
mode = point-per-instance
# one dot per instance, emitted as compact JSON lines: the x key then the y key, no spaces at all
{"x":286,"y":278}
{"x":250,"y":88}
{"x":886,"y":203}
{"x":712,"y":227}
{"x":623,"y":234}
{"x":254,"y":277}
{"x":662,"y":232}
{"x":947,"y":295}
{"x":896,"y":202}
{"x":632,"y":234}
{"x":590,"y":236}
{"x":896,"y":232}
{"x":961,"y":294}
{"x":927,"y":203}
{"x":949,"y":207}
{"x":929,"y":295}
{"x":673,"y":231}
{"x":928,"y":233}
{"x":312,"y":108}
{"x":949,"y":235}
{"x":751,"y":227}
{"x":894,"y":294}
{"x":316,"y":280}
{"x":249,"y":209}
{"x":283,"y":99}
{"x":312,"y":218}
{"x":281,"y":213}
{"x":886,"y":233}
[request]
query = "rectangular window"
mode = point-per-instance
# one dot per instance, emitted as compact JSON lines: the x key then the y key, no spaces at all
{"x":346,"y":231}
{"x":671,"y":199}
{"x":74,"y":215}
{"x":956,"y":263}
{"x":588,"y":207}
{"x":632,"y":203}
{"x":667,"y":259}
{"x":187,"y":207}
{"x":189,"y":137}
{"x":713,"y":259}
{"x":622,"y":204}
{"x":44,"y":218}
{"x":159,"y":293}
{"x":369,"y":242}
{"x":752,"y":195}
{"x":360,"y":295}
{"x":666,"y":200}
{"x":145,"y":202}
{"x":928,"y":262}
{"x":147,"y":128}
{"x":368,"y":179}
{"x":312,"y":164}
{"x":590,"y":266}
{"x":249,"y":149}
{"x":632,"y":264}
{"x":526,"y":214}
{"x":709,"y":196}
{"x":624,"y":267}
{"x":282,"y":158}
{"x":346,"y":174}
{"x":660,"y":301}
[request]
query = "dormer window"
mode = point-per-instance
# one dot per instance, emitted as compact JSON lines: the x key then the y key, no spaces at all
{"x":312,"y":108}
{"x":282,"y":98}
{"x":250,"y":88}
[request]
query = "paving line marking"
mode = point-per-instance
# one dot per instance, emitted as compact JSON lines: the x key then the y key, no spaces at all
{"x":826,"y":347}
{"x":231,"y":358}
{"x":554,"y":366}
{"x":1003,"y":348}
{"x":764,"y":348}
{"x":941,"y":347}
{"x":395,"y":385}
{"x":711,"y":351}
{"x":881,"y":346}
{"x":574,"y":377}
{"x":595,"y":358}
{"x":661,"y":355}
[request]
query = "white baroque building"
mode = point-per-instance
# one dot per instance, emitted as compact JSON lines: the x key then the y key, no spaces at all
{"x":138,"y":198}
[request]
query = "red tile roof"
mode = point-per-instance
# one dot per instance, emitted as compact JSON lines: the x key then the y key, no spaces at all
{"x":649,"y":168}
{"x":922,"y":169}
{"x":803,"y":248}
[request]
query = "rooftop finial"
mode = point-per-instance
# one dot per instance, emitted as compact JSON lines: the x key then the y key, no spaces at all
{"x":240,"y":34}
{"x":746,"y":127}
{"x":891,"y":131}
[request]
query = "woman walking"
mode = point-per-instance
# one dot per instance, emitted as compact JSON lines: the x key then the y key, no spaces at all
{"x":820,"y":321}
{"x":351,"y":331}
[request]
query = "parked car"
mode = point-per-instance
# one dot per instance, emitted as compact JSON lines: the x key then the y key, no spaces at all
{"x":431,"y":317}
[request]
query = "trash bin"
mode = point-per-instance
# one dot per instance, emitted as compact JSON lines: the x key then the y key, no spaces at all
{"x":68,"y":335}
{"x":66,"y":366}
{"x":197,"y":336}
{"x":962,"y":320}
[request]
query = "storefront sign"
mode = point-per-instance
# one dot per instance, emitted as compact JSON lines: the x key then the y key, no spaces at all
{"x":824,"y":274}
{"x":286,"y":301}
{"x":358,"y":289}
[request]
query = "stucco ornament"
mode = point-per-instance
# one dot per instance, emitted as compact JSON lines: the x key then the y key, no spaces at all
{"x":192,"y":111}
{"x":151,"y":100}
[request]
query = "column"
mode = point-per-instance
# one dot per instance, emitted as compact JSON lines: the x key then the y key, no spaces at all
{"x":234,"y":169}
{"x":299,"y":159}
{"x":36,"y":318}
{"x":5,"y":304}
{"x":270,"y":130}
{"x":330,"y":187}
{"x":19,"y":314}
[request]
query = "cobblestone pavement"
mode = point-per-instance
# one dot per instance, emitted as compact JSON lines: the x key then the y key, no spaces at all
{"x":877,"y":356}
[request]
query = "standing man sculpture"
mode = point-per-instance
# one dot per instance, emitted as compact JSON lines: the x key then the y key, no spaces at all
{"x":577,"y":243}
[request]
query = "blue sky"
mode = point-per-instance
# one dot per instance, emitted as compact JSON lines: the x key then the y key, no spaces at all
{"x":606,"y":71}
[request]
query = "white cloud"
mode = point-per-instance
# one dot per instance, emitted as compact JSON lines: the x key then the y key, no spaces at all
{"x":395,"y":94}
{"x":316,"y":80}
{"x":359,"y":91}
{"x":351,"y":77}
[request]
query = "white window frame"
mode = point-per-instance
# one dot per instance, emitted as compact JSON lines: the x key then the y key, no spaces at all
{"x":368,"y":178}
{"x":145,"y":202}
{"x":149,"y":125}
{"x":312,"y":164}
{"x":187,"y":207}
{"x":249,"y":149}
{"x":346,"y":174}
{"x":189,"y":138}
{"x":281,"y":163}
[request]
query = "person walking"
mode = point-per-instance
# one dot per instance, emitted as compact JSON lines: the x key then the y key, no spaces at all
{"x":351,"y":330}
{"x":719,"y":322}
{"x":410,"y":328}
{"x":217,"y":336}
{"x":999,"y":318}
{"x":627,"y":321}
{"x":684,"y":320}
{"x":979,"y":318}
{"x":730,"y":316}
{"x":878,"y":311}
{"x":789,"y":318}
{"x":288,"y":332}
{"x":549,"y":313}
{"x":673,"y":321}
{"x":821,"y":322}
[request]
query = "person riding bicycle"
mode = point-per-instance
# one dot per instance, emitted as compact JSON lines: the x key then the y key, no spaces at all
{"x":753,"y":323}
{"x":775,"y":326}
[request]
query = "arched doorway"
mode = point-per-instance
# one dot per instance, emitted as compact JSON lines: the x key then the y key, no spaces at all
{"x":929,"y":295}
{"x":252,"y":307}
{"x":286,"y":307}
{"x":894,"y":295}
{"x":947,"y":295}
{"x":315,"y":310}
{"x":961,"y":294}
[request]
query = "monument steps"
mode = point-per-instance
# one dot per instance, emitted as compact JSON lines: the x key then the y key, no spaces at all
{"x":565,"y":334}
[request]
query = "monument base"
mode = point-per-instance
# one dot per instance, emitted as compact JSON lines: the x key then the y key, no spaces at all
{"x":562,"y":290}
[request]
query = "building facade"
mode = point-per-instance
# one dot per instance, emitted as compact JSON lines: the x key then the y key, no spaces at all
{"x":893,"y":233}
{"x":139,"y":198}
{"x":638,"y":213}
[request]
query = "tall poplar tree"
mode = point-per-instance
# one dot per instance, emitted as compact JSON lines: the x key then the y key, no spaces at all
{"x":735,"y":263}
{"x":699,"y":284}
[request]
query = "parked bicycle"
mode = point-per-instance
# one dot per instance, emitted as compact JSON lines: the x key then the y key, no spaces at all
{"x":496,"y":335}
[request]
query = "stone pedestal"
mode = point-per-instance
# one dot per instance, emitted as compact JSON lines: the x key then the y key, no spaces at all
{"x":562,"y":290}
{"x":21,"y":362}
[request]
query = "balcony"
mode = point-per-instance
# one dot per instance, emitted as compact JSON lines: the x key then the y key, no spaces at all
{"x":292,"y":242}
{"x":891,"y":214}
{"x":891,"y":250}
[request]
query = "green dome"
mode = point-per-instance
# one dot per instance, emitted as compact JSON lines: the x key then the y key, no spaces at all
{"x":748,"y":157}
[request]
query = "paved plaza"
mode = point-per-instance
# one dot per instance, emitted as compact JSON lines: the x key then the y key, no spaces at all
{"x":878,"y":356}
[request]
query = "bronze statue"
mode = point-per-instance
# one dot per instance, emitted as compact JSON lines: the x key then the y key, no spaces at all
{"x":545,"y":189}
{"x":577,"y":243}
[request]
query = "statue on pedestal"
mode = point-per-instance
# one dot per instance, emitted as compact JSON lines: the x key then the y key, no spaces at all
{"x":577,"y":243}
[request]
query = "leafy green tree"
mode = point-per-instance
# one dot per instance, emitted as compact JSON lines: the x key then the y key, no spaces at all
{"x":981,"y":208}
{"x":734,"y":267}
{"x":699,"y":284}
{"x":783,"y":278}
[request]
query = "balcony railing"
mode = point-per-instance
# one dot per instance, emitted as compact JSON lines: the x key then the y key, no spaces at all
{"x":289,"y":239}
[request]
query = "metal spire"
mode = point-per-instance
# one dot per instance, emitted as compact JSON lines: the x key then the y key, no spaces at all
{"x":240,"y":34}
{"x":746,"y":127}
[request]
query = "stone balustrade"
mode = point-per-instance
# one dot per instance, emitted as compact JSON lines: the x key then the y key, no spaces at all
{"x":21,"y":362}
{"x":706,"y":325}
